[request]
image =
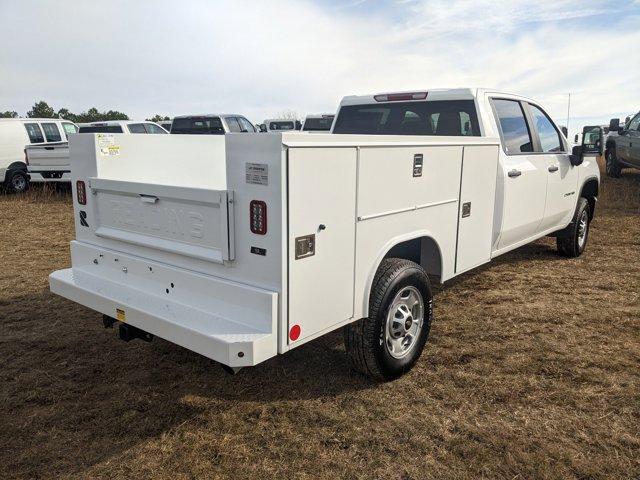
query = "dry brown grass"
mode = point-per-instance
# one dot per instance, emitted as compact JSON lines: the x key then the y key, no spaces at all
{"x":532,"y":371}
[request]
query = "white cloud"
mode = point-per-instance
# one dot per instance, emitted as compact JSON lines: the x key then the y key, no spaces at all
{"x":163,"y":56}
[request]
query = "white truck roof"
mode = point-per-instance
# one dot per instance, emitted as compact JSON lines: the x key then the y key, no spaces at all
{"x":433,"y":94}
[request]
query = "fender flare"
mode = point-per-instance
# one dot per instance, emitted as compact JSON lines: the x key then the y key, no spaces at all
{"x":383,"y":253}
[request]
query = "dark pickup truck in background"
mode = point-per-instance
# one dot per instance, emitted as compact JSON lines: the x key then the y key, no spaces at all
{"x":623,"y":146}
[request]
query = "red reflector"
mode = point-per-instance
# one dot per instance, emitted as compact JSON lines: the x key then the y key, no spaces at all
{"x":81,"y":192}
{"x":258,"y":217}
{"x":294,"y":333}
{"x":395,"y":97}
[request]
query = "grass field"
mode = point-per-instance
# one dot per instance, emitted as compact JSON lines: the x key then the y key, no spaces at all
{"x":532,"y":371}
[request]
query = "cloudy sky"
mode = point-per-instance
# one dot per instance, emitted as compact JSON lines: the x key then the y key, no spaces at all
{"x":262,"y":57}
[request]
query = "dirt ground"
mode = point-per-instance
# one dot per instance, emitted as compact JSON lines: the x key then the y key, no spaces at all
{"x":531,"y":371}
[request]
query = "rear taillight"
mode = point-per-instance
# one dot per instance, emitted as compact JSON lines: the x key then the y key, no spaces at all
{"x":258,"y":217}
{"x":81,"y":192}
{"x":395,"y":97}
{"x":26,"y":158}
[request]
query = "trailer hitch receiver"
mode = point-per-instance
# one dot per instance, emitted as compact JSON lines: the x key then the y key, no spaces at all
{"x":129,"y":332}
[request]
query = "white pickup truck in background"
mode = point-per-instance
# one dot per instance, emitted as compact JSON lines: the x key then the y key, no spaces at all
{"x":50,"y":162}
{"x":318,"y":123}
{"x":241,"y":247}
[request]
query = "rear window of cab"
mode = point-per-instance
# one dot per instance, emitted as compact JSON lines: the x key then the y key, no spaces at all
{"x":439,"y":117}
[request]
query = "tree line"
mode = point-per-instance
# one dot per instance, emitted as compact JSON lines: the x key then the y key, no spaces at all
{"x":41,"y":109}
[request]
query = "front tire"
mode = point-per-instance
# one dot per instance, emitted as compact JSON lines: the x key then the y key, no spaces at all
{"x":389,"y":342}
{"x":573,"y":241}
{"x":612,"y":166}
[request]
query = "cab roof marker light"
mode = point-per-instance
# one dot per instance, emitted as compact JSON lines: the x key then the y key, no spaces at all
{"x":395,"y":97}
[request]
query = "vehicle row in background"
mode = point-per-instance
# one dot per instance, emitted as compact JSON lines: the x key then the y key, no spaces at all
{"x":623,"y":145}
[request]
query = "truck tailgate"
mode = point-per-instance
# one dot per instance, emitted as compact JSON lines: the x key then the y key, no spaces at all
{"x":54,"y":155}
{"x":193,"y":222}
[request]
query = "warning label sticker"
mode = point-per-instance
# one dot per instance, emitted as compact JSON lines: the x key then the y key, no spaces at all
{"x":257,"y":173}
{"x":107,"y":144}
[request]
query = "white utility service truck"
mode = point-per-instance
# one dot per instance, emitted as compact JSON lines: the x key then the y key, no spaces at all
{"x":240,"y":247}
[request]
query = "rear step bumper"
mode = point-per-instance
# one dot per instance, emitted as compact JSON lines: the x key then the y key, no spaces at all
{"x":234,"y":324}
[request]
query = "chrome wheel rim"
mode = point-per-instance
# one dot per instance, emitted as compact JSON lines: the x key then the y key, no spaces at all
{"x":583,"y":226}
{"x":18,"y":182}
{"x":405,"y":320}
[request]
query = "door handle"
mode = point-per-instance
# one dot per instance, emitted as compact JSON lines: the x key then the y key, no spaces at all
{"x":514,"y":173}
{"x":148,"y":198}
{"x":553,"y":168}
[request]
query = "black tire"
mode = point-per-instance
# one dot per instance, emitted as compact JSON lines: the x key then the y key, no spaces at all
{"x":364,"y":339}
{"x":17,"y":182}
{"x":612,"y":166}
{"x":572,"y":240}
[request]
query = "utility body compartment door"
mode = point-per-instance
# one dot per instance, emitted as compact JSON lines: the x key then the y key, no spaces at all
{"x":321,"y":204}
{"x":476,"y":206}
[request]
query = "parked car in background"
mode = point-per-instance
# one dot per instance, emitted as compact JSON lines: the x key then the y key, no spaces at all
{"x":121,"y":126}
{"x":166,"y":124}
{"x":622,"y":145}
{"x":279,"y":125}
{"x":243,"y":252}
{"x":15,"y":135}
{"x":577,"y":138}
{"x":211,"y":124}
{"x":318,"y":123}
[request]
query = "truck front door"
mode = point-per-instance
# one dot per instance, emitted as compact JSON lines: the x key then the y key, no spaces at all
{"x":633,"y":137}
{"x":562,"y":177}
{"x":522,"y":175}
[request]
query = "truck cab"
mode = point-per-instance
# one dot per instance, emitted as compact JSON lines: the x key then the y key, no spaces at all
{"x":211,"y":124}
{"x":623,"y":145}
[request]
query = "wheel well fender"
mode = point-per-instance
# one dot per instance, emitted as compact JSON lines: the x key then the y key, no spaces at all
{"x":589,"y":190}
{"x":17,"y":166}
{"x":419,"y":247}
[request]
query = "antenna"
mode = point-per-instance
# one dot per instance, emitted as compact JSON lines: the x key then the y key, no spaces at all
{"x":568,"y":112}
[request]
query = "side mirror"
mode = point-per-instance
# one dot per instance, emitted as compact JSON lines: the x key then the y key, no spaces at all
{"x":614,"y":124}
{"x":576,"y":156}
{"x":565,"y":132}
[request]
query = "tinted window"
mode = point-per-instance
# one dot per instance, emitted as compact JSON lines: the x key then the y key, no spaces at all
{"x":442,"y":117}
{"x":197,"y":126}
{"x":101,"y":129}
{"x":35,"y":134}
{"x":246,"y":125}
{"x":136,"y":128}
{"x":151,"y":128}
{"x":166,"y":126}
{"x":282,"y":126}
{"x":513,"y":126}
{"x":51,"y":132}
{"x":549,"y":136}
{"x":69,"y":128}
{"x":232,"y":123}
{"x":318,"y":124}
{"x":635,"y":123}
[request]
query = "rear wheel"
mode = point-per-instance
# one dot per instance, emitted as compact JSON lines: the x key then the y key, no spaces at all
{"x":573,"y":241}
{"x":389,"y":342}
{"x":613,"y":168}
{"x":18,"y":182}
